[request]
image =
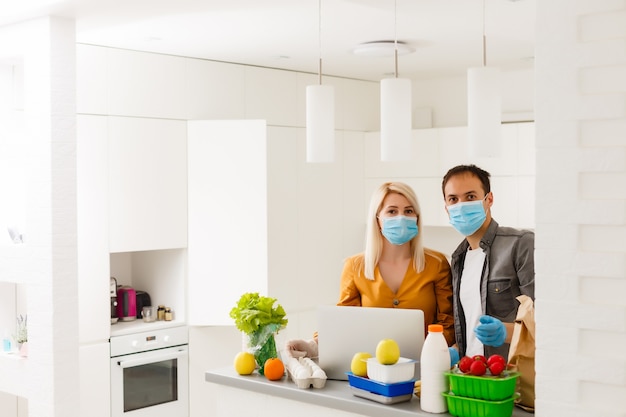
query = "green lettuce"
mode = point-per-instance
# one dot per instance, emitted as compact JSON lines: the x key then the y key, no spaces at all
{"x":253,"y":312}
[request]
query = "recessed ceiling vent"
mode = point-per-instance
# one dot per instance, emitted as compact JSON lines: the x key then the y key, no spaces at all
{"x":382,"y":48}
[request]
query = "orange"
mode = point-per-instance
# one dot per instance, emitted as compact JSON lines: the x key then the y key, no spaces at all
{"x":274,"y":369}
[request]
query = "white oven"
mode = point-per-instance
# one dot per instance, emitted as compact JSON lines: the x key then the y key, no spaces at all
{"x":150,"y":373}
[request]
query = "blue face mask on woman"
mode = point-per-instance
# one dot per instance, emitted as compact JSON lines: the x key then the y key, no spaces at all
{"x":467,"y":217}
{"x":399,"y":229}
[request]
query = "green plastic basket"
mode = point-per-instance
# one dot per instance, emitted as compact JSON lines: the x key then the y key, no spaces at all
{"x":472,"y":407}
{"x":492,"y":388}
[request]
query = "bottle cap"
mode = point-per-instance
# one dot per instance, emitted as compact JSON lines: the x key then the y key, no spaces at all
{"x":436,"y":328}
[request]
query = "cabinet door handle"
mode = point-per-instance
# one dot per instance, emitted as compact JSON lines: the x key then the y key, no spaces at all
{"x":154,"y":359}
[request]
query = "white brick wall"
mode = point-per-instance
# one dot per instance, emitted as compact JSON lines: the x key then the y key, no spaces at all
{"x":581,"y":208}
{"x":48,"y":269}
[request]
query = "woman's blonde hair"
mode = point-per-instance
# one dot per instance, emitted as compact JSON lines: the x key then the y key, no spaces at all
{"x":374,"y":237}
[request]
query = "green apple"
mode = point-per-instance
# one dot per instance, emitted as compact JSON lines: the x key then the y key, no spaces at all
{"x":387,"y":352}
{"x":358,"y":366}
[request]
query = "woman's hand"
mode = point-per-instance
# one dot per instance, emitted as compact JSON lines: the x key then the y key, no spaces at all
{"x":302,"y":348}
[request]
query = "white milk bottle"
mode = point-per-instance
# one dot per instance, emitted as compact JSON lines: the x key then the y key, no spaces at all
{"x":434,"y":362}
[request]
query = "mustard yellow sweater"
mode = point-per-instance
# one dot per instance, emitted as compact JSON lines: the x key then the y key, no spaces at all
{"x":429,"y":290}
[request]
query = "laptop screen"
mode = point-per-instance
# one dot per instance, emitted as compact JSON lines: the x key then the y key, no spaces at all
{"x":344,"y":331}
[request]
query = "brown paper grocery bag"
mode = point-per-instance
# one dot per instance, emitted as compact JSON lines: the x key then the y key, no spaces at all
{"x":522,"y":352}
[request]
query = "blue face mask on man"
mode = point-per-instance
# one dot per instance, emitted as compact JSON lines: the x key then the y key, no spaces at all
{"x":467,"y":217}
{"x":399,"y":229}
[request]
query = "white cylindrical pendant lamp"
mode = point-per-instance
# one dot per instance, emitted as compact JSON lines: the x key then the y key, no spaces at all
{"x":320,"y":123}
{"x":484,"y":112}
{"x":395,"y":119}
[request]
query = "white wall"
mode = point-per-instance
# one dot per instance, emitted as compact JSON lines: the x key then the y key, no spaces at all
{"x":581,"y":208}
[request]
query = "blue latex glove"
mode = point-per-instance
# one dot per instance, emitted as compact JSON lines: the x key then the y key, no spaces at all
{"x":454,"y":356}
{"x":490,"y":331}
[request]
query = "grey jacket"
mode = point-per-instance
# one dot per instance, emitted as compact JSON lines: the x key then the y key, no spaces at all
{"x":509,"y":271}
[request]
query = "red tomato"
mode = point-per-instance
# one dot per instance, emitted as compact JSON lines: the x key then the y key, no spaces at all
{"x":465,"y":363}
{"x":478,"y":368}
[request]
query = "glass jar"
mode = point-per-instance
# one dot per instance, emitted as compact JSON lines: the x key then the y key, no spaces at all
{"x":168,"y":314}
{"x":161,"y":313}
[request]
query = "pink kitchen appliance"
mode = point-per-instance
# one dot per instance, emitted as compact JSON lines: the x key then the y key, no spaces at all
{"x":113,"y":294}
{"x":126,"y":303}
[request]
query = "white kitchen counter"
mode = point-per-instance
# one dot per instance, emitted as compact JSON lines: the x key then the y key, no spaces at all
{"x":335,"y":395}
{"x":15,"y":371}
{"x":122,"y":328}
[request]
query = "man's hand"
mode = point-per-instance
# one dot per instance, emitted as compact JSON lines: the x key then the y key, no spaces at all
{"x":490,"y":331}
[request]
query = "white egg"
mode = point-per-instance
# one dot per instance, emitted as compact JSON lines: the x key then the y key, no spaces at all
{"x":302,"y":373}
{"x":292,"y":364}
{"x":305,"y":364}
{"x":319,"y":373}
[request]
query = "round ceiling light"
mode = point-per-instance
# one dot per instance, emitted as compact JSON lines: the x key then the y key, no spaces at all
{"x":382,"y":48}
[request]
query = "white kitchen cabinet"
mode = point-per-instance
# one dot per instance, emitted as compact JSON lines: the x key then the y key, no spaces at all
{"x":436,"y":150}
{"x":526,"y":201}
{"x":356,"y":102}
{"x":92,"y":236}
{"x":147,"y":184}
{"x":214,"y":90}
{"x":263,"y":219}
{"x":281,"y":86}
{"x":227,"y":250}
{"x":13,"y":406}
{"x":91,"y":79}
{"x":504,"y":165}
{"x":95,"y":387}
{"x":424,"y":161}
{"x":145,"y":85}
{"x":318,"y":202}
{"x":526,"y":149}
{"x":8,"y":404}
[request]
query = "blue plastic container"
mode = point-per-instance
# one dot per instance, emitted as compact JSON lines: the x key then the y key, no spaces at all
{"x":387,"y":389}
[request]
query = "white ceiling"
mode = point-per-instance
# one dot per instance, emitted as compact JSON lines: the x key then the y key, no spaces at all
{"x":446,"y":34}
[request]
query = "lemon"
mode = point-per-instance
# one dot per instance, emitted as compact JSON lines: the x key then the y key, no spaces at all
{"x":244,"y":363}
{"x":358,"y":366}
{"x":387,"y":352}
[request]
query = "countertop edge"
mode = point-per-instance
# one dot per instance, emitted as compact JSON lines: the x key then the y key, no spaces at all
{"x":335,"y":394}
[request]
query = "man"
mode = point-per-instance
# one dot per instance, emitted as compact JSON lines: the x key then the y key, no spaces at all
{"x":490,"y":268}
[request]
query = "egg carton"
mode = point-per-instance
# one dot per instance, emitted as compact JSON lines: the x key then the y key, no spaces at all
{"x":306,"y":373}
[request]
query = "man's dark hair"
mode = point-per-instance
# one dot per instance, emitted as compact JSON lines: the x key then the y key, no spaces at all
{"x":481,"y":174}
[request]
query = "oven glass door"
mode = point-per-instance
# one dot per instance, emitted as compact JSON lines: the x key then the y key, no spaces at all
{"x":151,"y":383}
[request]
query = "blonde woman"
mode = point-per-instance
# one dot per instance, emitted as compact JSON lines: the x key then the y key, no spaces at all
{"x":395,"y":270}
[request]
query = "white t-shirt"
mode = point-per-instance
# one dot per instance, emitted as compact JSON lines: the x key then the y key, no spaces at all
{"x":470,"y":299}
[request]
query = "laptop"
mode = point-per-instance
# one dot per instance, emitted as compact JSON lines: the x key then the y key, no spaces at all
{"x":344,"y":331}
